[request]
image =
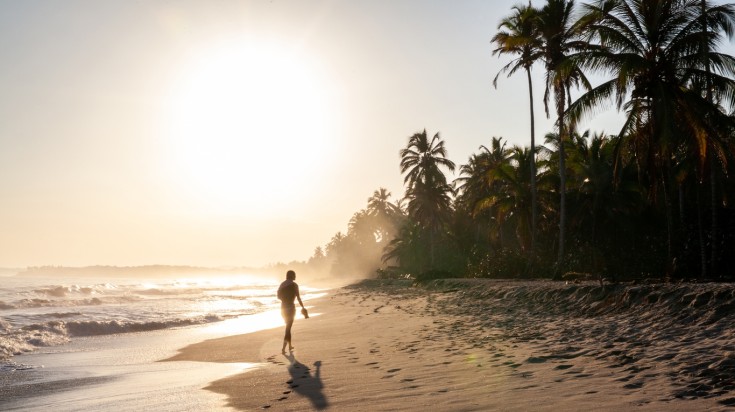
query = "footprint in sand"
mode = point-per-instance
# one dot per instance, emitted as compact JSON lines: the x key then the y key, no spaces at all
{"x":563,"y":367}
{"x":393,"y":370}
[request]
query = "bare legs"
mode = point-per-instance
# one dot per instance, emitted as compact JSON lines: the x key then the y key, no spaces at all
{"x":288,"y":316}
{"x":287,"y":336}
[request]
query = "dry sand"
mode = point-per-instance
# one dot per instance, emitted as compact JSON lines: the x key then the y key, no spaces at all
{"x":484,"y":345}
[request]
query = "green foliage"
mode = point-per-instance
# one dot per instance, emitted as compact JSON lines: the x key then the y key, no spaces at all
{"x":645,"y":203}
{"x":434,"y":274}
{"x":508,"y":264}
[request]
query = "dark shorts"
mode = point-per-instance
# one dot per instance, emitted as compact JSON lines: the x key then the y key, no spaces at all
{"x":288,"y":312}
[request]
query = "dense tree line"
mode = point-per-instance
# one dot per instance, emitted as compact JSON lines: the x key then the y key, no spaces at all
{"x":651,"y":200}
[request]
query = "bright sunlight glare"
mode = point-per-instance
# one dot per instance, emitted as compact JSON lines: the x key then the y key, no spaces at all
{"x":248,"y":128}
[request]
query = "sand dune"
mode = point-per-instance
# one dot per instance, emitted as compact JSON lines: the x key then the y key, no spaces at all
{"x":479,"y":345}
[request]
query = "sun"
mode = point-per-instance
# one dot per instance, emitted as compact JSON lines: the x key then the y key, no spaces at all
{"x":249,"y":127}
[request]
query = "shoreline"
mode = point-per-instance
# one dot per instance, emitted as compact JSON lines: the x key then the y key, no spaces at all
{"x":123,"y":372}
{"x":382,"y":345}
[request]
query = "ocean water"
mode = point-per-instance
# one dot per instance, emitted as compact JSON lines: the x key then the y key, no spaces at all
{"x":47,"y":313}
{"x":86,"y":344}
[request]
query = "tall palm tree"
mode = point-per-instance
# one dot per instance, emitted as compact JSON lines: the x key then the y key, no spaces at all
{"x":518,"y":36}
{"x":561,"y":42}
{"x":667,"y":78}
{"x":428,"y":193}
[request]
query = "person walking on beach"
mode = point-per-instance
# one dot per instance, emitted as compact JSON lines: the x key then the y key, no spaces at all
{"x":287,"y":292}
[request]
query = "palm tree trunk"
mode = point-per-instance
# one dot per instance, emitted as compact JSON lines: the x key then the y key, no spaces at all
{"x":712,"y":173}
{"x":562,"y":174}
{"x":713,"y":201}
{"x":431,"y":249}
{"x":700,"y":232}
{"x":534,"y":205}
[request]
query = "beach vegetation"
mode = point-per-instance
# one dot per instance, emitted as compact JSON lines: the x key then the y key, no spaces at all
{"x":651,"y":200}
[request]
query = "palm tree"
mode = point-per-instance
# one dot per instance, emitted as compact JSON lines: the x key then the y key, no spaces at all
{"x":422,"y":158}
{"x":379,"y":205}
{"x":428,"y":193}
{"x":518,"y":36}
{"x":599,"y":199}
{"x":561,"y":41}
{"x":473,"y":185}
{"x":385,"y":215}
{"x":667,"y":79}
{"x":509,"y":201}
{"x":407,"y":249}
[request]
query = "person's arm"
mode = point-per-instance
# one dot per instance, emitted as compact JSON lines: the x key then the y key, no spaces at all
{"x":298,"y":296}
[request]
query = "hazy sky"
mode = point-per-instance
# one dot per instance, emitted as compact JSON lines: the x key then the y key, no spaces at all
{"x":231,"y":132}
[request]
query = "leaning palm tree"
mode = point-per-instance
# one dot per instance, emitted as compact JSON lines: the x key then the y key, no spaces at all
{"x":518,"y":36}
{"x":428,"y":193}
{"x":667,"y":78}
{"x":561,"y":42}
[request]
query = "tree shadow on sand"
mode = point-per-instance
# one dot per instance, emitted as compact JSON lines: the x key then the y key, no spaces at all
{"x":304,"y":383}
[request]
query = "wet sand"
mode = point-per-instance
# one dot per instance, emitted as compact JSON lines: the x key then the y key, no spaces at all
{"x":479,"y":345}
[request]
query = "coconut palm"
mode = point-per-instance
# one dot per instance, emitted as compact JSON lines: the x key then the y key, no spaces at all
{"x":428,"y":193}
{"x":407,"y":249}
{"x":518,"y":36}
{"x":422,"y":159}
{"x":510,"y":200}
{"x":473,"y":185}
{"x":599,"y":200}
{"x":384,"y":214}
{"x":667,"y":78}
{"x":379,"y":205}
{"x":560,"y":43}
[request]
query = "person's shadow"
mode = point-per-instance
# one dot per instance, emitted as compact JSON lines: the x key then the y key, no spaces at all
{"x":303,"y":382}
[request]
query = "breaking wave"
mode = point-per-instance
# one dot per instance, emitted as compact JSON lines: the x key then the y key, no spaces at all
{"x":43,"y":312}
{"x":58,"y":332}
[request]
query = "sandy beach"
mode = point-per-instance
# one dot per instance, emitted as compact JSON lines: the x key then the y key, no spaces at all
{"x":479,"y":345}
